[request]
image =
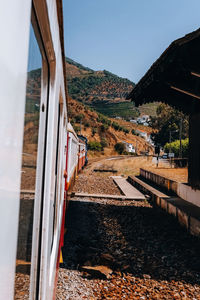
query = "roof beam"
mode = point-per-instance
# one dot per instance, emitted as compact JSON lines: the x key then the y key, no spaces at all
{"x":184,"y":92}
{"x":195,"y":74}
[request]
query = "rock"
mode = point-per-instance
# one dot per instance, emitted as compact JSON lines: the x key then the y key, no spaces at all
{"x":107,"y":259}
{"x":98,"y":271}
{"x":126,"y":268}
{"x":146,"y":276}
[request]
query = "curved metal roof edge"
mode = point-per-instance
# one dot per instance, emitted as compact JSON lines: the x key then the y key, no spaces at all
{"x":176,"y":43}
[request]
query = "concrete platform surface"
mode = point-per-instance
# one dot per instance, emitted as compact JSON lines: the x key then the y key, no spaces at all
{"x":127,"y":189}
{"x":187,"y":214}
{"x":105,"y":196}
{"x":146,"y":187}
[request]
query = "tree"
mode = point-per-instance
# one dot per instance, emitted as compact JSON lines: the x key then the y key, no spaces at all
{"x":120,"y":148}
{"x":104,"y":127}
{"x":175,"y":147}
{"x":133,"y":132}
{"x":125,"y":130}
{"x":78,"y":118}
{"x":104,"y":143}
{"x":115,"y":125}
{"x":168,"y":119}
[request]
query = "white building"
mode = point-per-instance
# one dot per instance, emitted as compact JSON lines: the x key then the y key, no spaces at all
{"x":144,"y":134}
{"x":143,"y":120}
{"x":129,"y":147}
{"x":133,"y":121}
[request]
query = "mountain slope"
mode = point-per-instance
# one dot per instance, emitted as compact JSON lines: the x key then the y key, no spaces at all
{"x":97,"y":127}
{"x":102,"y":90}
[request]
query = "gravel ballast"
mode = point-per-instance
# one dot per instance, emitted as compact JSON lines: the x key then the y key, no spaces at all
{"x":151,"y":256}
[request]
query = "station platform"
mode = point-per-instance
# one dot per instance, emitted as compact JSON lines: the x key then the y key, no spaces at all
{"x":175,"y":198}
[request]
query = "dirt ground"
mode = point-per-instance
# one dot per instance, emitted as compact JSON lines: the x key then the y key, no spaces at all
{"x":130,"y":165}
{"x":145,"y":252}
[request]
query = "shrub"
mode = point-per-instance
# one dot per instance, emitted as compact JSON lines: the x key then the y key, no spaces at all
{"x":120,"y":148}
{"x":115,"y":126}
{"x":125,"y":130}
{"x":77,"y":129}
{"x":78,"y":118}
{"x":133,"y":131}
{"x":104,"y":120}
{"x":87,"y":124}
{"x":94,"y":130}
{"x":104,"y":127}
{"x":95,"y":146}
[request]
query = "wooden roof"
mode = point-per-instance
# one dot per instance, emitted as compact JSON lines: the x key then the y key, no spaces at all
{"x":174,"y":78}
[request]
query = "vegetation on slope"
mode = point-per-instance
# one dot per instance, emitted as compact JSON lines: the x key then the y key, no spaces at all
{"x":102,"y":132}
{"x":103,"y":91}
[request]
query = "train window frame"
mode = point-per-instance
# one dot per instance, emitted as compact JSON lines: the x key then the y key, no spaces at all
{"x":40,"y":159}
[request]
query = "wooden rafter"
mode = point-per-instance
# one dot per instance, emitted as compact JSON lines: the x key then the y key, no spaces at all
{"x":184,"y":92}
{"x":195,"y":74}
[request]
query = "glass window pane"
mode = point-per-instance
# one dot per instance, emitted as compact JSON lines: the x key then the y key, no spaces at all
{"x":28,"y":169}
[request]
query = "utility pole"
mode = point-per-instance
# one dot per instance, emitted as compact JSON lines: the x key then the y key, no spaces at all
{"x":80,"y":125}
{"x":136,"y":146}
{"x":170,"y":140}
{"x":170,"y":147}
{"x":180,"y":137}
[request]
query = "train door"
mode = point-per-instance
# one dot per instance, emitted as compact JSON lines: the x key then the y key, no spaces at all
{"x":32,"y":167}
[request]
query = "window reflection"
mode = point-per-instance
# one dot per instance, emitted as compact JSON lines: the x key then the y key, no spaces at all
{"x":28,"y":169}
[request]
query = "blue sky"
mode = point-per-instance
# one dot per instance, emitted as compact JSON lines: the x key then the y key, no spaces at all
{"x":125,"y":36}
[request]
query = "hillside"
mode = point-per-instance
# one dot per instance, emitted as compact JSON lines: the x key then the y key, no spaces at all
{"x":98,"y":128}
{"x":95,"y":126}
{"x":101,"y":90}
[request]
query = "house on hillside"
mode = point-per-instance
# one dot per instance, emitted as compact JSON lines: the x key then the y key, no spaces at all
{"x":143,"y":120}
{"x":144,"y":134}
{"x":133,"y":121}
{"x":129,"y":147}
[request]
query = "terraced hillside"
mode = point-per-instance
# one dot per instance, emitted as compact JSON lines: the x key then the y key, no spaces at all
{"x":99,"y":128}
{"x":101,"y":90}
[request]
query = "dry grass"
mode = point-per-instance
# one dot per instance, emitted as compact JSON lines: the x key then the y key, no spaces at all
{"x":177,"y":174}
{"x":131,"y":166}
{"x":128,"y":165}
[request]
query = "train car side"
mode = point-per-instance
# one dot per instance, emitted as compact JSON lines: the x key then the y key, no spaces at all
{"x":76,"y":157}
{"x":72,"y":157}
{"x":33,"y":146}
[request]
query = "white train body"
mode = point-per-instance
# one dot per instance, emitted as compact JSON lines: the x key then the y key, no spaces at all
{"x":76,"y":153}
{"x":34,"y":143}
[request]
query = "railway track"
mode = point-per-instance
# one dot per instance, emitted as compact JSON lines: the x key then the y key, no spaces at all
{"x":125,"y":250}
